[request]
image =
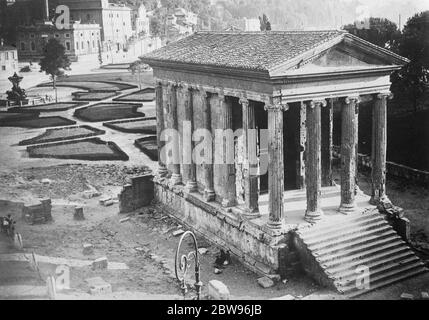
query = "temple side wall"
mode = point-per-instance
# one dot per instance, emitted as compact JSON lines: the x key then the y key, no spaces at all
{"x":256,"y":248}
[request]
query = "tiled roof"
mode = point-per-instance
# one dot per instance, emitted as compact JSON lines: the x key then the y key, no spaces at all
{"x":7,"y":48}
{"x":259,"y":51}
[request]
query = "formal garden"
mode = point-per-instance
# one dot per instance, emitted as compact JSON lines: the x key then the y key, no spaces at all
{"x":50,"y":107}
{"x":41,"y":122}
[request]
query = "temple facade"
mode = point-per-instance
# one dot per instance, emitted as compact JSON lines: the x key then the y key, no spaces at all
{"x":272,"y":95}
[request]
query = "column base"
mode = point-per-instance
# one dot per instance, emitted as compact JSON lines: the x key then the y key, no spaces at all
{"x":191,"y":186}
{"x":162,"y":171}
{"x":209,"y":195}
{"x":347,"y":208}
{"x":176,"y":179}
{"x":252,"y":214}
{"x":274,"y":224}
{"x":314,"y":216}
{"x":228,"y":203}
{"x":376,"y":200}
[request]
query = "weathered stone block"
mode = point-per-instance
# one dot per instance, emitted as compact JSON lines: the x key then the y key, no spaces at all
{"x":425,"y":295}
{"x":37,"y":212}
{"x":265,"y":282}
{"x":138,"y":194}
{"x":100,"y":263}
{"x":88,"y":249}
{"x":218,"y":290}
{"x":97,"y":286}
{"x":78,"y":214}
{"x":407,"y":296}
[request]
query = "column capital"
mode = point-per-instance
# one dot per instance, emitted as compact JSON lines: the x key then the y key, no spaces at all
{"x":353,"y":99}
{"x":183,"y":85}
{"x":318,"y":102}
{"x":276,"y":105}
{"x":243,"y":101}
{"x":385,"y":95}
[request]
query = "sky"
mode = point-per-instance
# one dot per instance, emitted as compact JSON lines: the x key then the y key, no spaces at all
{"x":390,"y":9}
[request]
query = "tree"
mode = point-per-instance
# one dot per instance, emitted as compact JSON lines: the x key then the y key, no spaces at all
{"x":54,"y":62}
{"x":381,"y":32}
{"x":265,"y":23}
{"x":412,"y":80}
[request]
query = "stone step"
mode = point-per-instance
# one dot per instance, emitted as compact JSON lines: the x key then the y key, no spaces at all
{"x":336,"y":248}
{"x":349,"y":236}
{"x":390,"y":277}
{"x":387,"y":281}
{"x":374,"y":264}
{"x":365,"y":257}
{"x":386,"y":267}
{"x":361,"y":248}
{"x":336,"y":225}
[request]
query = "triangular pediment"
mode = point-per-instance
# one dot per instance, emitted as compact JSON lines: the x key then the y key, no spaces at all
{"x":348,"y":54}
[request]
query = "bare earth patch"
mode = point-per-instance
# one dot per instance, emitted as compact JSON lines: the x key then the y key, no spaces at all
{"x":88,"y":149}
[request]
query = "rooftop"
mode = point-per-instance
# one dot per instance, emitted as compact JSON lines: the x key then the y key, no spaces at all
{"x":243,"y":50}
{"x":6,"y":48}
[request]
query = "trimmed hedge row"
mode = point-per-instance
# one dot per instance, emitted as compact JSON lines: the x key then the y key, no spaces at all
{"x":149,"y":129}
{"x":62,"y":106}
{"x":148,"y":145}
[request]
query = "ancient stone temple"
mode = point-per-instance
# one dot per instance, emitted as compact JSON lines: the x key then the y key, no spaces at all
{"x":277,"y":193}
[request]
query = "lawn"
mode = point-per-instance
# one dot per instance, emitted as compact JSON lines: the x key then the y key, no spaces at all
{"x":148,"y":145}
{"x":14,"y":116}
{"x":93,"y":149}
{"x":50,"y":107}
{"x":93,"y":95}
{"x":61,"y":134}
{"x":108,"y":111}
{"x":145,"y":125}
{"x":43,"y":122}
{"x":145,"y":95}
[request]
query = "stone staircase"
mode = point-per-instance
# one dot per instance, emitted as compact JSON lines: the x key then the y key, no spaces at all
{"x":333,"y":251}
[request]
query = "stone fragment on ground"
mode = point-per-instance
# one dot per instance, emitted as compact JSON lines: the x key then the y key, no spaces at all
{"x":265,"y":282}
{"x":218,"y":290}
{"x":286,"y":297}
{"x":202,"y":251}
{"x":217,"y":271}
{"x":407,"y":296}
{"x":89,"y":194}
{"x":106,"y":201}
{"x":88,"y":249}
{"x":97,"y":286}
{"x":178,"y":233}
{"x":124,"y":220}
{"x":100,"y":263}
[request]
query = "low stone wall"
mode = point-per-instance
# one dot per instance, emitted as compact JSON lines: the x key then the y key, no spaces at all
{"x":393,"y":169}
{"x":136,"y":195}
{"x":261,"y":249}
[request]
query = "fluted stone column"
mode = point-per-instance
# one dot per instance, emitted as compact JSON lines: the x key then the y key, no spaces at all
{"x":276,"y":163}
{"x":228,"y":169}
{"x":302,"y":145}
{"x":176,"y":177}
{"x":209,"y":193}
{"x":379,"y":149}
{"x":160,"y":126}
{"x":313,"y":168}
{"x":188,"y":144}
{"x":348,"y":155}
{"x":250,"y":162}
{"x":327,"y":143}
{"x":357,"y":189}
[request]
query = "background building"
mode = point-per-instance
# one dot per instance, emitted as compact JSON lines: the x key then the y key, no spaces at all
{"x":114,"y":19}
{"x":79,"y":40}
{"x":8,"y":60}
